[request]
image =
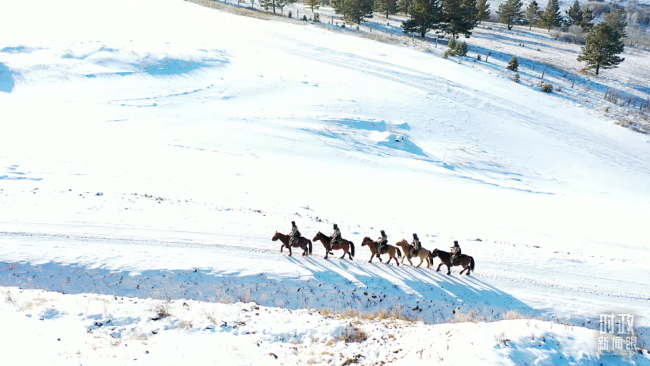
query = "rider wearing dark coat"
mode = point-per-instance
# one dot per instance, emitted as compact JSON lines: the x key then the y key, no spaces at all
{"x":336,"y":237}
{"x":455,"y":252}
{"x":295,"y":234}
{"x":416,"y":244}
{"x":383,"y":242}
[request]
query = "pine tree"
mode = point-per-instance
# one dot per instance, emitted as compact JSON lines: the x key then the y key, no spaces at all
{"x":513,"y":64}
{"x":312,"y":4}
{"x":483,"y":10}
{"x":386,"y":7}
{"x":511,"y":13}
{"x":459,"y":17}
{"x":452,"y":43}
{"x":617,"y":19}
{"x":603,"y":44}
{"x":551,"y":16}
{"x":425,"y":15}
{"x":266,"y":4}
{"x":532,"y":13}
{"x":587,"y":18}
{"x":461,"y":49}
{"x":404,"y":6}
{"x":354,"y":10}
{"x":574,"y":14}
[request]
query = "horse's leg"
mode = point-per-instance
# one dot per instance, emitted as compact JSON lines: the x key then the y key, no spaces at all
{"x":440,"y":265}
{"x":448,"y":269}
{"x":281,"y":248}
{"x":421,"y":261}
{"x":409,"y":258}
{"x":372,"y":256}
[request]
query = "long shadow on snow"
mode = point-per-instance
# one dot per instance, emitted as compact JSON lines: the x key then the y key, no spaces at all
{"x":336,"y":284}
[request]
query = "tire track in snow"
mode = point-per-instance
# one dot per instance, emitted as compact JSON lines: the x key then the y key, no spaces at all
{"x":522,"y":275}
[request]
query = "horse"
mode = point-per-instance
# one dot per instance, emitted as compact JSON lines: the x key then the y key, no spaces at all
{"x":303,"y":243}
{"x":373,"y":245}
{"x":464,"y":260}
{"x":423,"y":254}
{"x":346,"y":245}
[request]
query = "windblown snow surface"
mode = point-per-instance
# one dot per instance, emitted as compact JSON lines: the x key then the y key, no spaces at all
{"x":149,"y":150}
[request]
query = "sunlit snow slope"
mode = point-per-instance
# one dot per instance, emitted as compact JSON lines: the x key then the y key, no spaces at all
{"x":232,"y":127}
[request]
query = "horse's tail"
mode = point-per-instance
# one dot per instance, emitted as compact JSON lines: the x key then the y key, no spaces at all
{"x":309,"y":241}
{"x":399,"y":253}
{"x":471,"y":263}
{"x":352,"y":248}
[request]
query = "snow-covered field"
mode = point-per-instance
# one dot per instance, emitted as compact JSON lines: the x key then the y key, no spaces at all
{"x":150,"y":149}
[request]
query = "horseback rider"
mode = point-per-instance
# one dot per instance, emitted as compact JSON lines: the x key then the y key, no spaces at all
{"x":383,"y":243}
{"x":455,"y":252}
{"x":336,"y":237}
{"x":294,"y":237}
{"x":416,"y":244}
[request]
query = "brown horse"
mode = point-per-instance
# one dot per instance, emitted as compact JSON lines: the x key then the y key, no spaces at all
{"x":303,"y":243}
{"x":464,"y":260}
{"x":373,"y":245}
{"x":346,"y":245}
{"x":423,"y":254}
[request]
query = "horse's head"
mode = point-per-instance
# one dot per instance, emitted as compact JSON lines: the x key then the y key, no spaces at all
{"x":366,"y":241}
{"x":317,"y":236}
{"x":402,"y":242}
{"x":434,"y":253}
{"x":276,"y":236}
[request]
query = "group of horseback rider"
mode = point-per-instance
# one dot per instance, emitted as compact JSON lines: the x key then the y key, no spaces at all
{"x":382,"y":241}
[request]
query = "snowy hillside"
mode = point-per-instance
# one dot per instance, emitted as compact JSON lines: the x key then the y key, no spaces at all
{"x":150,"y":149}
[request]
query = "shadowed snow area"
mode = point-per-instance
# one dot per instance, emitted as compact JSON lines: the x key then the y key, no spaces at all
{"x":153,"y":148}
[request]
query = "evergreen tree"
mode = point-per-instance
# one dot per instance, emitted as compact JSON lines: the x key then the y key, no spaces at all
{"x":266,"y":4}
{"x":404,"y":6}
{"x":603,"y":44}
{"x":483,"y":10}
{"x":532,"y":13}
{"x":551,"y":16}
{"x":574,"y":14}
{"x":312,"y":4}
{"x":587,"y":18}
{"x":425,"y":15}
{"x":354,"y":10}
{"x":510,"y":13}
{"x":459,"y":17}
{"x":461,"y":49}
{"x":452,"y":43}
{"x":617,"y":19}
{"x":386,"y":7}
{"x":513,"y":64}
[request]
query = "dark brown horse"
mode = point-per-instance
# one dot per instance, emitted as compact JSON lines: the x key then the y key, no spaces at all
{"x":423,"y":254}
{"x":303,"y":243}
{"x":464,"y":260}
{"x":346,"y":245}
{"x":392,"y":251}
